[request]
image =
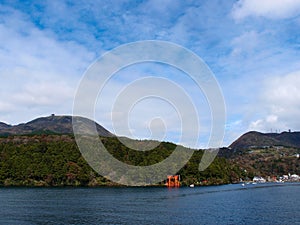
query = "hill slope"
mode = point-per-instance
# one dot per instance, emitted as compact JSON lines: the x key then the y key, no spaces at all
{"x":50,"y":124}
{"x":55,"y":160}
{"x":257,"y":139}
{"x":268,"y":154}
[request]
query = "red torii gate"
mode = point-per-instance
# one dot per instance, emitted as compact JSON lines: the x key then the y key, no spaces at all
{"x":173,"y":181}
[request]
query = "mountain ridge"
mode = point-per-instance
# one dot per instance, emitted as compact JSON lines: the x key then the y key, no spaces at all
{"x":4,"y":125}
{"x":254,"y":139}
{"x":57,"y":124}
{"x":62,"y":124}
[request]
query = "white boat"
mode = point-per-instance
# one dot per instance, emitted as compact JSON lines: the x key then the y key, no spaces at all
{"x":192,"y":185}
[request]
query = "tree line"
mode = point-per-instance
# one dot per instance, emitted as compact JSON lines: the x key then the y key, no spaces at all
{"x":55,"y":160}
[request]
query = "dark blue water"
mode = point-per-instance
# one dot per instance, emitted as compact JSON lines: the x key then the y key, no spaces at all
{"x":228,"y":204}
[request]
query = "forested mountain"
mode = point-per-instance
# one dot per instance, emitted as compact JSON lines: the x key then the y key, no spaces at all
{"x":55,"y":160}
{"x":265,"y":154}
{"x":44,"y":152}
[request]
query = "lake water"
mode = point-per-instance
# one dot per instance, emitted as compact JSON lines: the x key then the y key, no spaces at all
{"x":228,"y":204}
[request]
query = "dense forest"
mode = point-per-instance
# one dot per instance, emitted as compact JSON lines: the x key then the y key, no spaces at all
{"x":55,"y":160}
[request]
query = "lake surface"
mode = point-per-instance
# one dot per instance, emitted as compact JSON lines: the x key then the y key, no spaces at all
{"x":228,"y":204}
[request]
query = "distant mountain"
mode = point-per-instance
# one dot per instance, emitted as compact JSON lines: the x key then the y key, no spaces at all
{"x":257,"y":139}
{"x":50,"y":125}
{"x":4,"y":126}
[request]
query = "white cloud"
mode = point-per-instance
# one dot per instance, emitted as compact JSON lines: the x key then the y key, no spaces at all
{"x":44,"y":93}
{"x":280,"y":104}
{"x":45,"y":47}
{"x":272,"y":9}
{"x":39,"y":73}
{"x":272,"y":119}
{"x":257,"y":125}
{"x":284,"y":90}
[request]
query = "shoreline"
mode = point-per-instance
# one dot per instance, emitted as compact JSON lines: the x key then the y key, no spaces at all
{"x":145,"y":186}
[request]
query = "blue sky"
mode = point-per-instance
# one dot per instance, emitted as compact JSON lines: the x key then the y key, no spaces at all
{"x":252,"y":47}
